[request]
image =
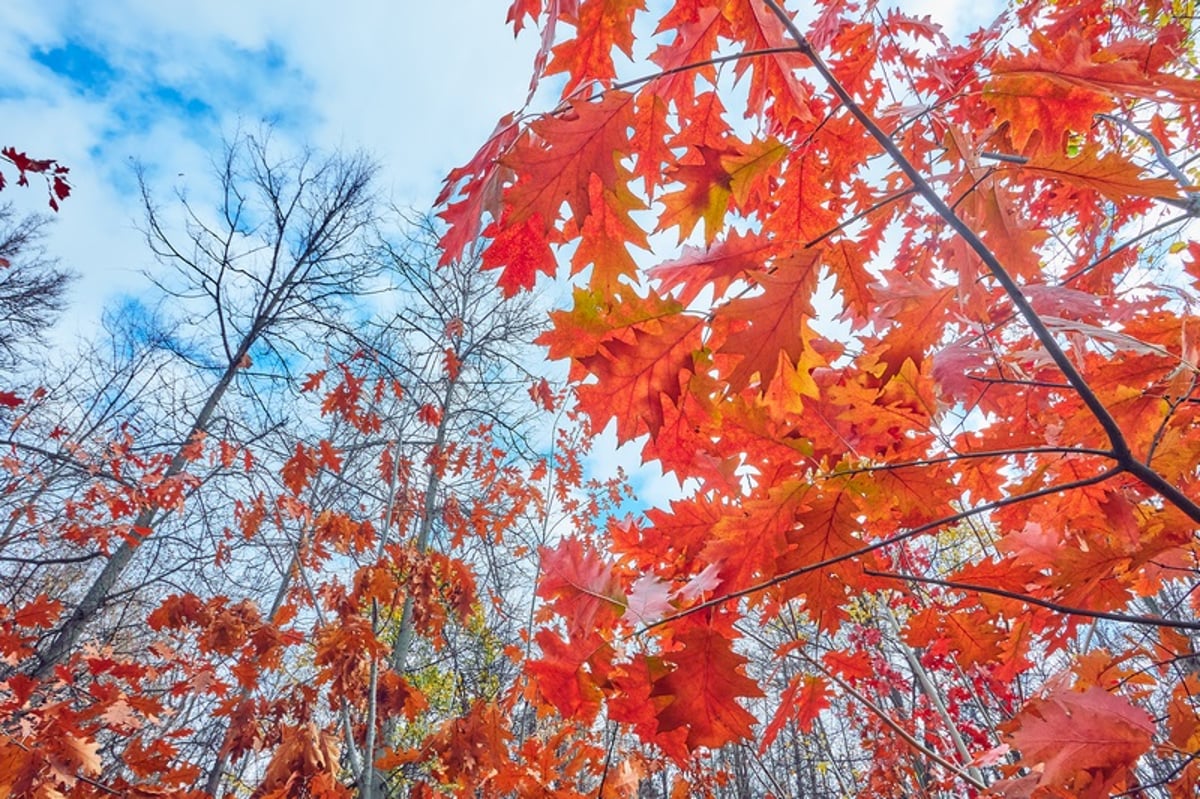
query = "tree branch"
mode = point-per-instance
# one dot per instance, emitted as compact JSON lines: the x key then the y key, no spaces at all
{"x":1121,"y":451}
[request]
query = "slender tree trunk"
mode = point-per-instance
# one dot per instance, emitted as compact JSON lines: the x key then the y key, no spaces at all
{"x":213,"y":782}
{"x":933,"y":696}
{"x":64,"y":641}
{"x":375,"y":785}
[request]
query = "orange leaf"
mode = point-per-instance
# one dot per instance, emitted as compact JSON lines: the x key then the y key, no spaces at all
{"x":705,"y":193}
{"x":71,"y":756}
{"x":553,"y":163}
{"x":328,"y":457}
{"x":299,"y":469}
{"x":703,"y":689}
{"x":1086,"y":743}
{"x":581,"y":585}
{"x":1060,"y":88}
{"x":775,"y":321}
{"x":719,"y":265}
{"x":803,"y":699}
{"x":600,"y":26}
{"x":541,"y":394}
{"x":313,"y":381}
{"x":1106,"y":173}
{"x":429,"y":414}
{"x":41,"y":612}
{"x":520,"y":251}
{"x":636,"y":376}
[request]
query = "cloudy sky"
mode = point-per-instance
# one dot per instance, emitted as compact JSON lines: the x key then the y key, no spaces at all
{"x":100,"y":85}
{"x":97,"y":85}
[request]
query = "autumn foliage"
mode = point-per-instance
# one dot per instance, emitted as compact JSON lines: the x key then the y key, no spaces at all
{"x":923,"y":361}
{"x":909,"y":318}
{"x":57,"y":184}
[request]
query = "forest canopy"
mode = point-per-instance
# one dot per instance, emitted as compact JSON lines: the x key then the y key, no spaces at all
{"x":910,"y":319}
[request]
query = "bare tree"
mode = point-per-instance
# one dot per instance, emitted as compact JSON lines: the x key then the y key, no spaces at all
{"x":254,"y":283}
{"x":32,"y":287}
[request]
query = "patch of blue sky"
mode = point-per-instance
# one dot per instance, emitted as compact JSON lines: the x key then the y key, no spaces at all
{"x":258,"y":83}
{"x":254,"y":85}
{"x":202,"y":97}
{"x":650,"y":488}
{"x":141,"y":112}
{"x":85,"y":68}
{"x":135,"y":325}
{"x":143,"y":88}
{"x":261,"y":85}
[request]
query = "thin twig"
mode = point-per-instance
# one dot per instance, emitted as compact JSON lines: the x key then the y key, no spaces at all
{"x":1161,"y":155}
{"x":882,"y":543}
{"x":1066,"y":610}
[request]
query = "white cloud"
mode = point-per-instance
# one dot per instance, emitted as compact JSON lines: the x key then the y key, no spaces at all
{"x":419,"y":86}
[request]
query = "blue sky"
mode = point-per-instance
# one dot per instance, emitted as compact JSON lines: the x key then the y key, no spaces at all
{"x":98,"y":85}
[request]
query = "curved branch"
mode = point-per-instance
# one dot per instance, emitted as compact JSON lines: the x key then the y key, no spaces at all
{"x":886,"y":542}
{"x":1066,"y":610}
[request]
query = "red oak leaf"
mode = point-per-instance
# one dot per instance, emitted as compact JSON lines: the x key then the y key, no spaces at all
{"x":701,"y":693}
{"x":1086,"y":743}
